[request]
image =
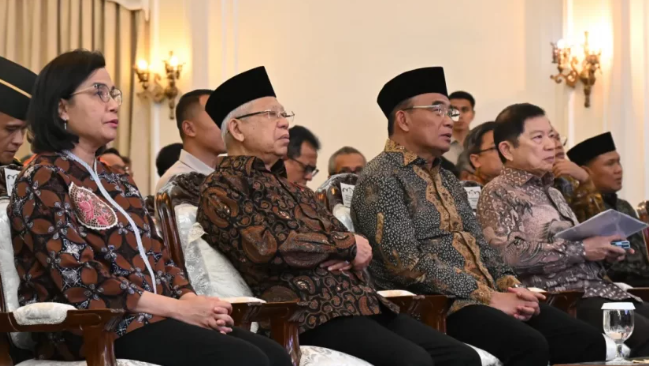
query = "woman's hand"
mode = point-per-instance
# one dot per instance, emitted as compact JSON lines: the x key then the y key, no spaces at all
{"x":205,"y":312}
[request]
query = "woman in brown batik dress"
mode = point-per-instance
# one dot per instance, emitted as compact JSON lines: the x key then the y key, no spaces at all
{"x":82,"y":236}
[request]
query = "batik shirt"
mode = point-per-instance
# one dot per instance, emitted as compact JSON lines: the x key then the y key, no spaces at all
{"x":520,"y":214}
{"x":634,"y":269}
{"x":583,"y":199}
{"x":276,"y":235}
{"x":424,"y":235}
{"x":71,"y":246}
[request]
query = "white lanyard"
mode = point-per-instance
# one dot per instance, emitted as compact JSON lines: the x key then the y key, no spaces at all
{"x":136,"y":231}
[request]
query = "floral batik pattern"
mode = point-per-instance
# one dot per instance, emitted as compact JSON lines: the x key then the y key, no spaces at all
{"x":70,"y":246}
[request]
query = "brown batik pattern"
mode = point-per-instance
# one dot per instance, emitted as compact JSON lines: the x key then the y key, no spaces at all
{"x":424,"y":234}
{"x":71,"y":247}
{"x":276,"y":235}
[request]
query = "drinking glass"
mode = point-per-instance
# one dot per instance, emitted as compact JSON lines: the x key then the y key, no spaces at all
{"x":618,"y":325}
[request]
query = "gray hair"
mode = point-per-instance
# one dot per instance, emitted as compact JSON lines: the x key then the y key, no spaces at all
{"x":345,"y":150}
{"x":240,"y":110}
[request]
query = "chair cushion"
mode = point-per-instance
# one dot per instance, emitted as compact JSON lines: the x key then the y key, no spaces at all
{"x":42,"y":313}
{"x":487,"y":358}
{"x":80,"y":363}
{"x":318,"y":356}
{"x":10,"y":278}
{"x":209,"y":271}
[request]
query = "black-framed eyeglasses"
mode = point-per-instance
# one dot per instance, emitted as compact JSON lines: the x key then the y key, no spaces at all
{"x":440,"y":110}
{"x":485,"y":150}
{"x":271,"y":115}
{"x":104,"y":92}
{"x":345,"y":170}
{"x":308,"y":169}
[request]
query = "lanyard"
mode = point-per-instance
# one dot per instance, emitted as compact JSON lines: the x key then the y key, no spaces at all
{"x":136,"y":231}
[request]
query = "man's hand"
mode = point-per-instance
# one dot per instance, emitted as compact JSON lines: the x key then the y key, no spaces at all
{"x":526,"y":295}
{"x":599,"y":248}
{"x":512,"y":304}
{"x":568,"y":168}
{"x":363,"y":254}
{"x":336,"y":265}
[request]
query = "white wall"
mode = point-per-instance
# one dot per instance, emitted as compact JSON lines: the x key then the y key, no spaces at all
{"x":329,"y":59}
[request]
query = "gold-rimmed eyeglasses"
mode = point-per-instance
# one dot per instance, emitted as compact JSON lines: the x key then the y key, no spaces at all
{"x":271,"y":115}
{"x":440,"y":110}
{"x":103,"y":91}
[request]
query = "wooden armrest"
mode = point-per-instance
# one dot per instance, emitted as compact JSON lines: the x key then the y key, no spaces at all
{"x":280,"y":316}
{"x":95,"y":325}
{"x":565,"y":300}
{"x":431,"y":309}
{"x":641,"y":292}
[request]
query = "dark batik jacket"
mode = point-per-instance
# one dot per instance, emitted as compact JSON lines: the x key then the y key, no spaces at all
{"x":424,"y":234}
{"x":276,"y":235}
{"x":634,"y":269}
{"x":71,"y":246}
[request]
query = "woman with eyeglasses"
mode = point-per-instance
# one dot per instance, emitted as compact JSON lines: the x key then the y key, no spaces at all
{"x":575,"y":184}
{"x":83,"y":237}
{"x":482,"y":154}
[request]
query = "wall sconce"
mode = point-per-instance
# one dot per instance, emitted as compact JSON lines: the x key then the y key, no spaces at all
{"x":158,"y":94}
{"x":568,"y":65}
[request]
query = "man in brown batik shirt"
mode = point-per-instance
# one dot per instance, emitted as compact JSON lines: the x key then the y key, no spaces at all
{"x":16,"y":83}
{"x":288,"y":247}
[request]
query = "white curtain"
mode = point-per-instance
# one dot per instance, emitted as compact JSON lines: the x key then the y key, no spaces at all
{"x":33,"y":32}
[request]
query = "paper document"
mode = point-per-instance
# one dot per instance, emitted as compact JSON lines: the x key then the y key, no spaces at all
{"x":607,"y":223}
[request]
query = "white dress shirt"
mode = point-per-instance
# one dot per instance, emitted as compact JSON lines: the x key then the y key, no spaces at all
{"x":187,"y":163}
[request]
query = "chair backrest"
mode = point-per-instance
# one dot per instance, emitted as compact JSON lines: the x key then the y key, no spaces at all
{"x":336,"y":195}
{"x":9,"y":279}
{"x":209,"y":271}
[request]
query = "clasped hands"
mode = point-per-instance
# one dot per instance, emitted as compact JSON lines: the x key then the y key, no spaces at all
{"x":518,"y":302}
{"x":360,"y":262}
{"x":206,"y":312}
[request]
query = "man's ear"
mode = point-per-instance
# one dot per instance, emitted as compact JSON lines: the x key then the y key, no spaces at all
{"x":235,"y":130}
{"x":402,"y":120}
{"x":189,"y":129}
{"x":505,"y":148}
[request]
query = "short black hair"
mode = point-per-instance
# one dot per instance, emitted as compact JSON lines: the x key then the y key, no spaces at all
{"x":463,"y":95}
{"x":473,"y":141}
{"x":58,"y":80}
{"x":298,"y":135}
{"x":167,"y":156}
{"x":510,"y":123}
{"x":393,"y":115}
{"x":113,"y":151}
{"x":186,"y":105}
{"x":446,"y":164}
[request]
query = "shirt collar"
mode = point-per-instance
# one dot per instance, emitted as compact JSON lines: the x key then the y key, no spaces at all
{"x":249,"y":165}
{"x":194,"y":163}
{"x":406,"y":157}
{"x":519,"y":177}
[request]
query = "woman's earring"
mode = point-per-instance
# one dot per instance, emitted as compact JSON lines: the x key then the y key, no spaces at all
{"x":65,"y":124}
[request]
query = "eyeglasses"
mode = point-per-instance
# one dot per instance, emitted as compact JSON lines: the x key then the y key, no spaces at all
{"x":563,"y":142}
{"x":104,"y":93}
{"x":308,"y":169}
{"x":440,"y":110}
{"x":358,"y":170}
{"x":271,"y":115}
{"x":485,"y":150}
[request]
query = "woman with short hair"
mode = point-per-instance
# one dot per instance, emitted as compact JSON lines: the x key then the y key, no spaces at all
{"x":82,"y":236}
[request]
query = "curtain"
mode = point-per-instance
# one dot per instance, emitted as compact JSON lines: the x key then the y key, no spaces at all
{"x":33,"y":32}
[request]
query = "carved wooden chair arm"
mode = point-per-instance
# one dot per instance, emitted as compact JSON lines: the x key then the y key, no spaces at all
{"x":96,"y":327}
{"x":280,"y":316}
{"x":431,"y":309}
{"x":565,"y":300}
{"x":641,"y":292}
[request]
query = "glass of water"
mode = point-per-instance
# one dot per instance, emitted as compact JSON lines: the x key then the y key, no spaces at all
{"x":618,"y":325}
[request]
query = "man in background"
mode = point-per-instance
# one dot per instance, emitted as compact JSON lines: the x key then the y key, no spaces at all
{"x":482,"y":153}
{"x":346,"y":160}
{"x":302,"y":156}
{"x":599,"y":158}
{"x":465,"y":103}
{"x":16,"y":84}
{"x":202,"y":141}
{"x":167,"y":156}
{"x":115,"y":161}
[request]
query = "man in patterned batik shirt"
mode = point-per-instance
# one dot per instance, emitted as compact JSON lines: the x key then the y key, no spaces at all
{"x":288,"y":247}
{"x":601,"y":161}
{"x":16,"y":83}
{"x":520,"y":212}
{"x":426,"y":239}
